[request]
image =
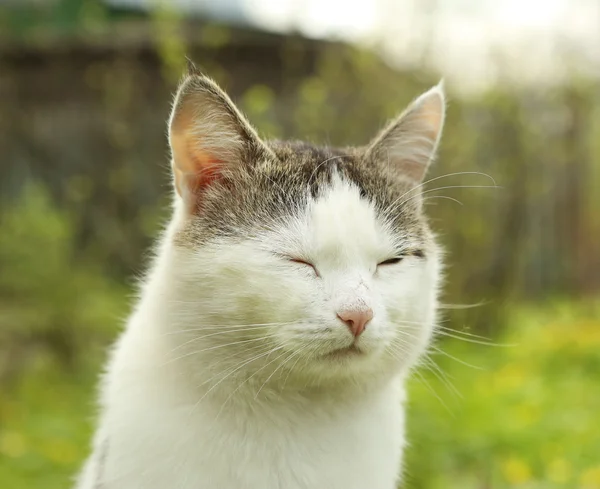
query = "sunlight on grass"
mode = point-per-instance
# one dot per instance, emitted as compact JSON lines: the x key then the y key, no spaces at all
{"x":528,"y":415}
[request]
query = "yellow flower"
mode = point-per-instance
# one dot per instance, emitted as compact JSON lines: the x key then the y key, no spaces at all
{"x":12,"y":444}
{"x":559,"y":471}
{"x":516,"y":471}
{"x":550,"y":451}
{"x":528,"y":413}
{"x":60,"y":451}
{"x":590,"y":479}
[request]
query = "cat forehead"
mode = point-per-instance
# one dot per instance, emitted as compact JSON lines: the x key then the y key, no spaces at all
{"x":341,"y":225}
{"x":263,"y":193}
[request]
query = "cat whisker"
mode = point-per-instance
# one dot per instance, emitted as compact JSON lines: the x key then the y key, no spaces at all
{"x":462,"y":362}
{"x":407,"y":332}
{"x":471,"y":340}
{"x":198,"y":338}
{"x":291,"y":369}
{"x":447,"y":175}
{"x":242,"y":365}
{"x":451,"y":330}
{"x":275,"y":371}
{"x":432,"y":390}
{"x":400,"y":348}
{"x":216,"y":347}
{"x":442,"y":376}
{"x":404,"y":202}
{"x":461,"y":306}
{"x":226,"y":359}
{"x":442,"y":197}
{"x":248,"y":379}
{"x":235,"y":327}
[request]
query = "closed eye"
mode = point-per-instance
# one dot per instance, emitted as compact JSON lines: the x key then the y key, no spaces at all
{"x":305,"y":263}
{"x":391,"y":261}
{"x":398,"y":259}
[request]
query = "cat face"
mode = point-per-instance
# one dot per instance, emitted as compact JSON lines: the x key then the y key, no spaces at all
{"x":294,"y":262}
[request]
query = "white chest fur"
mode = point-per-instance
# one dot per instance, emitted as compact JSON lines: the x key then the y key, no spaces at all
{"x":154,"y":436}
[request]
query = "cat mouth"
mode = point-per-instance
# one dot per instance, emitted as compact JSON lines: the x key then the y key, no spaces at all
{"x":347,"y":351}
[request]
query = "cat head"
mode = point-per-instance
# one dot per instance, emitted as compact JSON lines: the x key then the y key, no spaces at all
{"x":293,"y":261}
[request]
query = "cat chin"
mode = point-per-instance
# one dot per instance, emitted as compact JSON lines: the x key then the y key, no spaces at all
{"x":348,"y":357}
{"x":351,"y":358}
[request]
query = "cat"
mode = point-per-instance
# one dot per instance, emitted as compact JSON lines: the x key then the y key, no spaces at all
{"x":290,"y":295}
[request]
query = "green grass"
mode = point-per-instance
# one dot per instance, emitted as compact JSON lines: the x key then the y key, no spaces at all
{"x":530,"y":412}
{"x":46,"y":422}
{"x":529,"y":415}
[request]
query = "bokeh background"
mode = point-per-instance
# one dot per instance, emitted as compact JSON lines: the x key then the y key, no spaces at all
{"x":510,"y":397}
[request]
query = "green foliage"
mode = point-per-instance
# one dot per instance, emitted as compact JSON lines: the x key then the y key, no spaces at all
{"x":50,"y":302}
{"x":528,"y":413}
{"x":45,"y":428}
{"x":65,"y":16}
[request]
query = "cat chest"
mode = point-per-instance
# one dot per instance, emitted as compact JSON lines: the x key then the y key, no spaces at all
{"x":271,"y":453}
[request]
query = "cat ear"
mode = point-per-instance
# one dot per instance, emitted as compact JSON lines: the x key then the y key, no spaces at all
{"x":208,"y":136}
{"x":409,"y":143}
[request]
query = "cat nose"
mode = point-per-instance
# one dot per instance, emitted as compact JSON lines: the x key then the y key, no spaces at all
{"x":356,"y":319}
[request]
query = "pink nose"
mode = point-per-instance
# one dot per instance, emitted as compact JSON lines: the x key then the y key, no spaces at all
{"x":356,"y":320}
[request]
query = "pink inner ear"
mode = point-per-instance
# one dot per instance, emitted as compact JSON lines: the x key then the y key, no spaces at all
{"x":195,"y":169}
{"x":206,"y":169}
{"x":412,"y":169}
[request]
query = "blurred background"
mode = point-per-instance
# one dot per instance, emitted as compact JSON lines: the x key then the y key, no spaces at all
{"x":510,"y":397}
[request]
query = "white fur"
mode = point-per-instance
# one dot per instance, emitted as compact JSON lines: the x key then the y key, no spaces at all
{"x":188,"y":402}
